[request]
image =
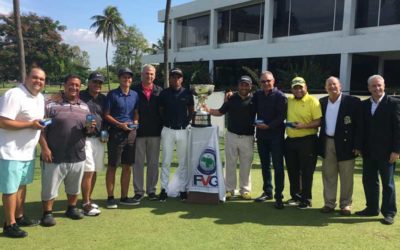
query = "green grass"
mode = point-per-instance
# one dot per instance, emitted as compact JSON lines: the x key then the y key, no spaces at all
{"x":234,"y":225}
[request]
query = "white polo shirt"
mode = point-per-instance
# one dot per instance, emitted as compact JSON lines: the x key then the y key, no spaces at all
{"x":20,"y":105}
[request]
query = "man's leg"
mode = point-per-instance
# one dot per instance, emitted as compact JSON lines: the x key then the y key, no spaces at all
{"x":346,"y":174}
{"x":246,"y":152}
{"x":292,"y":165}
{"x":371,"y":185}
{"x":330,"y":174}
{"x":181,"y":153}
{"x":110,"y":180}
{"x":265,"y":159}
{"x":168,"y":144}
{"x":308,"y":161}
{"x":87,"y":186}
{"x":276,"y":149}
{"x":386,"y":171}
{"x":125,"y":179}
{"x":153,"y":159}
{"x":138,"y":167}
{"x":231,"y":156}
{"x":9,"y":205}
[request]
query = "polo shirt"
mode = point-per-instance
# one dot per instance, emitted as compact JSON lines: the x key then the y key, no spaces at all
{"x":240,"y":113}
{"x":331,"y":113}
{"x":175,"y":105}
{"x":121,"y":106}
{"x":271,"y":108}
{"x":20,"y":105}
{"x":304,"y":110}
{"x":96,"y":106}
{"x":65,"y":135}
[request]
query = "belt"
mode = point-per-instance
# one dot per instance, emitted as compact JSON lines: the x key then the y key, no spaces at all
{"x":331,"y":137}
{"x":176,"y":127}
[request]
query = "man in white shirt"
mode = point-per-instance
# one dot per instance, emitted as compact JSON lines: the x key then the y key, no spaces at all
{"x":21,"y":110}
{"x":340,"y":143}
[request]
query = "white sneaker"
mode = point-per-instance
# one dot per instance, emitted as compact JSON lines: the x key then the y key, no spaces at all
{"x":90,"y":210}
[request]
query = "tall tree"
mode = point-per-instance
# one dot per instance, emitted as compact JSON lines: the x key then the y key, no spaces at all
{"x":166,"y":42}
{"x":110,"y":25}
{"x":20,"y":39}
{"x":131,"y":46}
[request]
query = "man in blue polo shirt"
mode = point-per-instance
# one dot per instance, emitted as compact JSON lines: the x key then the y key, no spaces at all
{"x":121,"y":113}
{"x":176,"y":108}
{"x":271,"y":112}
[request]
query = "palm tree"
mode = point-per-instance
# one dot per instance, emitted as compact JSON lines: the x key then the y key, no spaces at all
{"x":21,"y":50}
{"x":110,"y":25}
{"x":166,"y":42}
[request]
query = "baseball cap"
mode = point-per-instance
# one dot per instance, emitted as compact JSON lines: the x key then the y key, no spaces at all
{"x":96,"y":76}
{"x":246,"y":79}
{"x":298,"y":81}
{"x":125,"y":71}
{"x":176,"y":71}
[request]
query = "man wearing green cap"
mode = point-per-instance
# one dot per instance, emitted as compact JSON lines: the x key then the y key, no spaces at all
{"x":303,"y":118}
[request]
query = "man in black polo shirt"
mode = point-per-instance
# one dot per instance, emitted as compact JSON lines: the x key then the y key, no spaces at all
{"x":148,"y":135}
{"x":94,"y":148}
{"x":176,"y":108}
{"x":239,"y":139}
{"x":271,"y":106}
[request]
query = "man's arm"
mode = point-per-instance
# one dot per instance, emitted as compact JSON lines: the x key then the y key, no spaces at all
{"x":6,"y":123}
{"x":47,"y":155}
{"x":111,"y":120}
{"x":394,"y":156}
{"x":313,"y":124}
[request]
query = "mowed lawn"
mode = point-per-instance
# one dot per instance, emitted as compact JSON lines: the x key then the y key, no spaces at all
{"x":233,"y":225}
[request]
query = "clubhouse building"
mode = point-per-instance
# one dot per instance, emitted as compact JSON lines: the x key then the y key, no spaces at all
{"x":351,"y":39}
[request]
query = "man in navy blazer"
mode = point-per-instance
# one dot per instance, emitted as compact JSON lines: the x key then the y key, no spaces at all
{"x":380,"y":149}
{"x":340,"y":142}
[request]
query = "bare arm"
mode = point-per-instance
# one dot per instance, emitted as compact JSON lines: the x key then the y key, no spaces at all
{"x":10,"y":124}
{"x":313,"y":124}
{"x":47,"y":155}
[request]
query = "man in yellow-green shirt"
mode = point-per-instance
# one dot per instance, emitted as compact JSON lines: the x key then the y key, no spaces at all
{"x":302,"y":122}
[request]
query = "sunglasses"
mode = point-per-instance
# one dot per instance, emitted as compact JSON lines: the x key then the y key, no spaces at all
{"x":266,"y":81}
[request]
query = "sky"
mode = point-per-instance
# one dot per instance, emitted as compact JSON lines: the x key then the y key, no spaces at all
{"x":75,"y":14}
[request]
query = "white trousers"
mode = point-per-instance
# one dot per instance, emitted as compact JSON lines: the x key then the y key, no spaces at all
{"x":170,"y":138}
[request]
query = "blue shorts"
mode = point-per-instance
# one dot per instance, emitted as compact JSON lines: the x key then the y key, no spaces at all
{"x":14,"y":174}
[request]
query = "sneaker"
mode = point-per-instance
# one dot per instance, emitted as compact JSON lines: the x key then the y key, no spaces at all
{"x":111,"y":204}
{"x":94,"y":205}
{"x":24,"y":221}
{"x":366,"y":212}
{"x":304,"y":205}
{"x":129,"y":201}
{"x":90,"y":210}
{"x":263,"y":197}
{"x":346,"y":211}
{"x":74,"y":213}
{"x":163,"y":196}
{"x":13,"y":231}
{"x":327,"y":210}
{"x":152,"y":197}
{"x":229,"y":195}
{"x":47,"y":220}
{"x":292,"y":202}
{"x":246,"y":196}
{"x":388,"y":220}
{"x":279,"y":204}
{"x":183,"y":196}
{"x":137,"y":197}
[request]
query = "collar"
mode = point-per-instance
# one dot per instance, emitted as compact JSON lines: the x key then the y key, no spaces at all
{"x":148,"y":88}
{"x":122,"y":93}
{"x":337,"y":101}
{"x":379,"y":101}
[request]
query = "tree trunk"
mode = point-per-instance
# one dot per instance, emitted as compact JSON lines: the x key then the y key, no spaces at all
{"x":20,"y":39}
{"x":108,"y":75}
{"x":166,"y":43}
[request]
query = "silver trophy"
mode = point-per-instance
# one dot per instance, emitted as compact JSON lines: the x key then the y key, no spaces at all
{"x":201,"y":118}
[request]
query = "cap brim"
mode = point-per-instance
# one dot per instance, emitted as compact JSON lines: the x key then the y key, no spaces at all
{"x":98,"y":79}
{"x":298,"y":84}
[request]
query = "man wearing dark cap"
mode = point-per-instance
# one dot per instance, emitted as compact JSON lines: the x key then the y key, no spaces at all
{"x":303,"y":119}
{"x":94,"y":148}
{"x":239,"y":139}
{"x":271,"y":105}
{"x":176,"y":108}
{"x":121,"y":113}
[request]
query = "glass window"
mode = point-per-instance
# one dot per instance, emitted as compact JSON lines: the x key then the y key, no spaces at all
{"x":296,"y":17}
{"x":390,"y":12}
{"x":367,"y":13}
{"x":193,"y":31}
{"x":241,"y":24}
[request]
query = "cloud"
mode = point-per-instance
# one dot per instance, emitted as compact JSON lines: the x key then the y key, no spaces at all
{"x":87,"y":41}
{"x":6,"y":6}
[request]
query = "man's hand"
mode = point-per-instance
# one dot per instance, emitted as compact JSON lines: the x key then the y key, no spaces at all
{"x":262,"y":126}
{"x":35,"y":124}
{"x":357,"y":152}
{"x":47,"y":156}
{"x":393,"y":157}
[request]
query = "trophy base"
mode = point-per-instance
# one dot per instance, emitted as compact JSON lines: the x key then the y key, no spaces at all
{"x":201,"y":119}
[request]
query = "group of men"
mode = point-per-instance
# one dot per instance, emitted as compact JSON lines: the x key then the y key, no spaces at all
{"x":349,"y":128}
{"x":136,"y":122}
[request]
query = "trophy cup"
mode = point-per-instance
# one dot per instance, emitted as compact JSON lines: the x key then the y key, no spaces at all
{"x":201,"y":118}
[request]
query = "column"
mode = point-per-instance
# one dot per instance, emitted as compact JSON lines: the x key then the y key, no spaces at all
{"x":346,"y":60}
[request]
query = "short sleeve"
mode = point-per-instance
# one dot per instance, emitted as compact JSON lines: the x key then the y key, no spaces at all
{"x":10,"y":105}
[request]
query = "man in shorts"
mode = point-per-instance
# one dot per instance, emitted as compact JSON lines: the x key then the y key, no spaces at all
{"x":21,"y":110}
{"x":94,"y":147}
{"x":63,"y":150}
{"x":121,"y":113}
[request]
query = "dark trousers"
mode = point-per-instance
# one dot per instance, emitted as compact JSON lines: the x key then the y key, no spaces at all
{"x":301,"y":158}
{"x":371,"y":171}
{"x":267,"y":149}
